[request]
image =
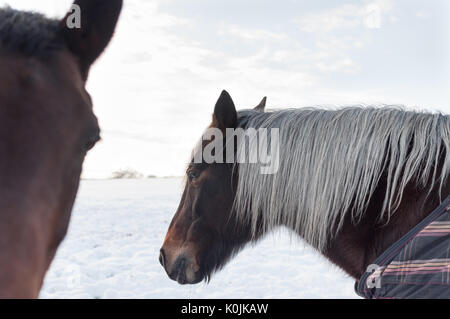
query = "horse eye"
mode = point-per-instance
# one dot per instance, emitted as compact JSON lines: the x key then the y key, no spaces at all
{"x":192,"y":175}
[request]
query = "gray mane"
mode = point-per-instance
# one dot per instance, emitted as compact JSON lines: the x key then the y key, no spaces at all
{"x":331,"y":162}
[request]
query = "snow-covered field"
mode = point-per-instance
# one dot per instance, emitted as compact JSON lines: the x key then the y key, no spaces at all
{"x":113,"y":243}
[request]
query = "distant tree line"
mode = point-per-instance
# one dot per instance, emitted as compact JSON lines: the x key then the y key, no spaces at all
{"x":129,"y":173}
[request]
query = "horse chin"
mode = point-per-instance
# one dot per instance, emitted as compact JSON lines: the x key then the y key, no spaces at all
{"x":194,"y":282}
{"x":185,"y":275}
{"x":188,"y":279}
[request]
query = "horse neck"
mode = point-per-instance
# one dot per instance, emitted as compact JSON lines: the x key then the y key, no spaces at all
{"x":357,"y":246}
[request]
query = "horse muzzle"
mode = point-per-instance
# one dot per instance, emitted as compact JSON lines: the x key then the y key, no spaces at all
{"x":180,"y":268}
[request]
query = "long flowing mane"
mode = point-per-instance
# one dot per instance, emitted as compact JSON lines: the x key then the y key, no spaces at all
{"x":331,"y":161}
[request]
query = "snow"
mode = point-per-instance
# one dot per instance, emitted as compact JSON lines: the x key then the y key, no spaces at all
{"x":116,"y":231}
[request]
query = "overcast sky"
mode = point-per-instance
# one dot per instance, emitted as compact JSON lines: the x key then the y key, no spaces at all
{"x":155,"y":88}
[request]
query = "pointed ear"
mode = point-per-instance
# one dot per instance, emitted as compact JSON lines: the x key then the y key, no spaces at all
{"x":89,"y":27}
{"x":262,"y":105}
{"x":225,"y":115}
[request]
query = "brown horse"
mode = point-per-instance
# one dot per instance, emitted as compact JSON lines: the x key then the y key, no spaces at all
{"x":47,"y":125}
{"x":350,"y":182}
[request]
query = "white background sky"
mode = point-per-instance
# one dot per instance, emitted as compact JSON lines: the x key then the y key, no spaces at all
{"x":155,"y":87}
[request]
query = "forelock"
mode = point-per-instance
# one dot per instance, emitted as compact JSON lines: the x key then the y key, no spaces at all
{"x":29,"y":33}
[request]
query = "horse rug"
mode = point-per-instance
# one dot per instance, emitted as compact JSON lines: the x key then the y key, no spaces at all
{"x":416,"y":266}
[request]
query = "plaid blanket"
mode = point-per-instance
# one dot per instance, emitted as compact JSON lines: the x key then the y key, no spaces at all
{"x":416,"y":266}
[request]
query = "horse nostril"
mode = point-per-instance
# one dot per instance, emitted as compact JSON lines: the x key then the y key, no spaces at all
{"x":162,"y":258}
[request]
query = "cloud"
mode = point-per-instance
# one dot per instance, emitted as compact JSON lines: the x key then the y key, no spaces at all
{"x":423,"y":14}
{"x":346,"y":65}
{"x":251,"y":34}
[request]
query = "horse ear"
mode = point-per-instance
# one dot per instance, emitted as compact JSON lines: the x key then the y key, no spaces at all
{"x":89,"y":27}
{"x":262,"y":105}
{"x":225,"y":115}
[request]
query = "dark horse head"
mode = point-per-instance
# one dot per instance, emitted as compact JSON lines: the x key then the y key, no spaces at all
{"x":47,"y":126}
{"x":204,"y":233}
